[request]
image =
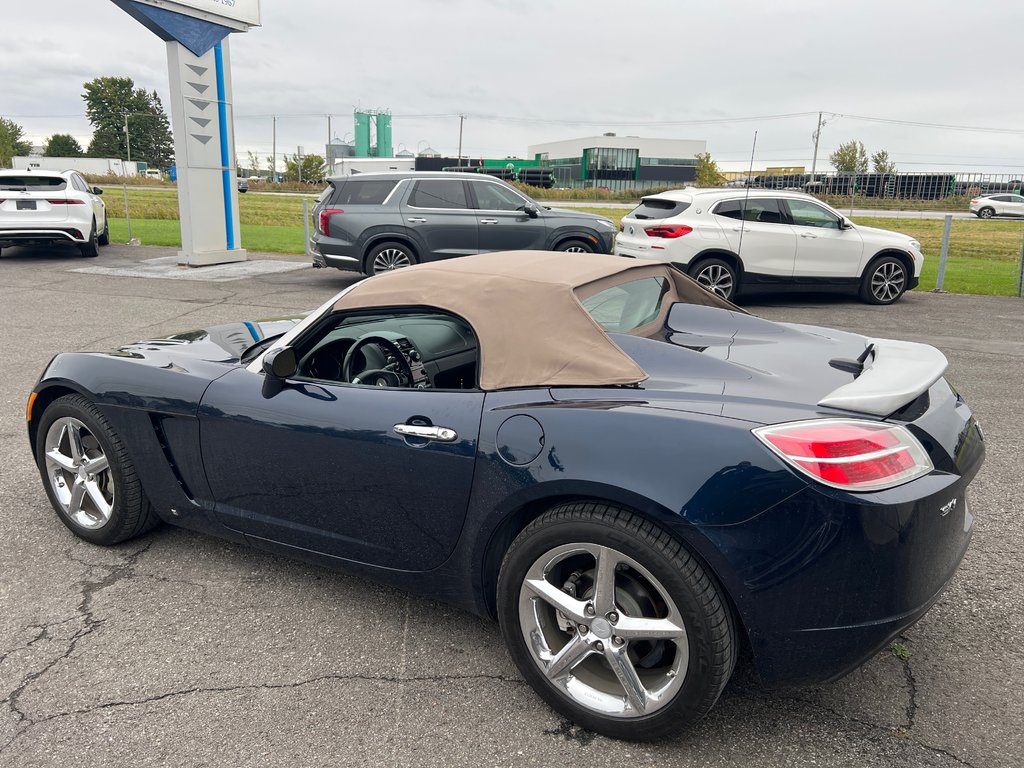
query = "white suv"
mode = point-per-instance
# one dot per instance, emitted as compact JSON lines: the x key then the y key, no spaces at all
{"x":742,"y":241}
{"x":51,"y":206}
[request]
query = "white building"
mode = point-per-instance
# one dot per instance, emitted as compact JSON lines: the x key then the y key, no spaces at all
{"x":620,"y":161}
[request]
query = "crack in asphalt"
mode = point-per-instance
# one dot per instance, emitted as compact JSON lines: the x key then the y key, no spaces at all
{"x":908,"y":674}
{"x":84,"y":612}
{"x":202,"y":690}
{"x":901,"y":733}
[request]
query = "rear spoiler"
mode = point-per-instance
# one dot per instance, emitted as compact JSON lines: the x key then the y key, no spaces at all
{"x":895,"y":373}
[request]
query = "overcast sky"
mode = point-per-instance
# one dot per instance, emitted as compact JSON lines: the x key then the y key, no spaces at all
{"x":525,"y":72}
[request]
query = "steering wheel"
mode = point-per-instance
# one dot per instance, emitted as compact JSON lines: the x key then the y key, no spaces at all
{"x":380,"y":377}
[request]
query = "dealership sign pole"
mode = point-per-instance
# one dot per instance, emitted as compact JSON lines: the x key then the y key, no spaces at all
{"x":199,"y":67}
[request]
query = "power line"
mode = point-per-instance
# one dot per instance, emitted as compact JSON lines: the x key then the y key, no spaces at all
{"x":941,"y":126}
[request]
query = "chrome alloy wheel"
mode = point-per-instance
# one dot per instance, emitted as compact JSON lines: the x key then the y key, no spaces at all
{"x":888,"y":281}
{"x":576,"y":249}
{"x":716,"y":279}
{"x":79,"y":473}
{"x":603,"y":630}
{"x":390,"y":259}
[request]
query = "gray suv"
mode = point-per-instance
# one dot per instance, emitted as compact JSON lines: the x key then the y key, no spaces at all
{"x":376,"y":222}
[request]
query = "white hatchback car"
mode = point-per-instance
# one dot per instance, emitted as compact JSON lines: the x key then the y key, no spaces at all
{"x":1005,"y":204}
{"x":742,"y":241}
{"x":51,"y":206}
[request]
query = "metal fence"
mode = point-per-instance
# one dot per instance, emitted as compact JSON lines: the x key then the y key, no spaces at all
{"x":894,"y":186}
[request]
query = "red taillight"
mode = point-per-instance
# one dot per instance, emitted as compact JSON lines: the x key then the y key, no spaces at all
{"x":665,"y":230}
{"x":622,"y":227}
{"x":69,"y":201}
{"x":974,"y":200}
{"x":853,"y":455}
{"x":325,"y":219}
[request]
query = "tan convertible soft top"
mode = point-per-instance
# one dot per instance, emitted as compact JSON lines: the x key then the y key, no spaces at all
{"x":525,"y":309}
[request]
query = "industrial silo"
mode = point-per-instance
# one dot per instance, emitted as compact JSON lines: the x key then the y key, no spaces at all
{"x":384,"y":148}
{"x":363,"y":134}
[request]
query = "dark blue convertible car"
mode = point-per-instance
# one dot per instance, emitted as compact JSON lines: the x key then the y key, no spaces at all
{"x":637,"y":478}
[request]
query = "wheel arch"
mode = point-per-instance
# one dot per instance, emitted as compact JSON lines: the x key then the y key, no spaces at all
{"x":560,"y":238}
{"x":903,"y":257}
{"x":717,"y":253}
{"x":43,"y":399}
{"x":517,"y":518}
{"x":388,"y":237}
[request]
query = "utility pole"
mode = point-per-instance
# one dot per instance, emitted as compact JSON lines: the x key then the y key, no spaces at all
{"x":273,"y":158}
{"x":462,"y":119}
{"x":817,"y":136}
{"x":127,"y":140}
{"x":327,"y":149}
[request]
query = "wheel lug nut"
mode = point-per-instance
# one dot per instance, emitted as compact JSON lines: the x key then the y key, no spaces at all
{"x":598,"y":646}
{"x":589,"y":610}
{"x":613,"y":617}
{"x":583,"y":629}
{"x":617,"y":640}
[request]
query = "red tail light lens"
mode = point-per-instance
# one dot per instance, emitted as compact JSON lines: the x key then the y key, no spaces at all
{"x":848,"y":454}
{"x":69,"y":201}
{"x":325,"y":219}
{"x":622,"y":227}
{"x":665,"y":230}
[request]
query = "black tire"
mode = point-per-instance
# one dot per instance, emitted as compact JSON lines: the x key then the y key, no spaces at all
{"x":90,"y":248}
{"x":716,"y":275}
{"x":130,"y":512}
{"x":104,"y":237}
{"x":986,"y":213}
{"x":884,"y":281}
{"x":399,"y":255}
{"x":674,"y":579}
{"x":575,"y":246}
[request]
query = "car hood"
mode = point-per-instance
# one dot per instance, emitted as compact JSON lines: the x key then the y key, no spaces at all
{"x":570,"y":214}
{"x":727,"y":363}
{"x":884,"y":234}
{"x":218,"y":344}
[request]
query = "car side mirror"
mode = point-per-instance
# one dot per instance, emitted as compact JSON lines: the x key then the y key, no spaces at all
{"x":278,"y":365}
{"x":97,"y":191}
{"x":531,"y":210}
{"x":845,"y":223}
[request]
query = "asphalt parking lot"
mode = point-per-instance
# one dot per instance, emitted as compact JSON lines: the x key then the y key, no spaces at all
{"x":180,"y":649}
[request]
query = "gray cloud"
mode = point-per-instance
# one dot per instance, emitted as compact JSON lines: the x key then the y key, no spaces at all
{"x":593,"y":61}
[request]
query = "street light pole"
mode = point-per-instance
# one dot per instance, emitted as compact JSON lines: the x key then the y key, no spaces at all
{"x":127,"y":139}
{"x":817,"y":136}
{"x":124,"y":186}
{"x":462,"y":119}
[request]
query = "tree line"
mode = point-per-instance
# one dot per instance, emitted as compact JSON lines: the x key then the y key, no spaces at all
{"x":109,"y":103}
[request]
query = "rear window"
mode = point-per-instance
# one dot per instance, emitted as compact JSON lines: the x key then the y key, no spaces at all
{"x":628,"y":306}
{"x":658,"y":208}
{"x":33,"y":181}
{"x":365,"y":192}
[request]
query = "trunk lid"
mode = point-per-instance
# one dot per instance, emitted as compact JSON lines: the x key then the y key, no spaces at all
{"x":732,"y":364}
{"x":34,"y":198}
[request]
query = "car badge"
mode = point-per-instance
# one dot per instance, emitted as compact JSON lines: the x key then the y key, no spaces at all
{"x":945,"y":510}
{"x":631,"y":230}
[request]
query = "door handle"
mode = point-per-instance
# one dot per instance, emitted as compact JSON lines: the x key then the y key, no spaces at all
{"x":737,"y":229}
{"x":807,"y":234}
{"x":488,"y":221}
{"x":440,"y":434}
{"x":417,"y":220}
